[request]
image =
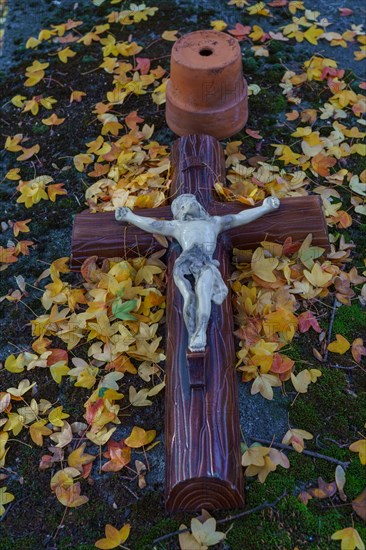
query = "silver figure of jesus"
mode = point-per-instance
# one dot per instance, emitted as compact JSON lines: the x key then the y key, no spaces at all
{"x":195,"y":272}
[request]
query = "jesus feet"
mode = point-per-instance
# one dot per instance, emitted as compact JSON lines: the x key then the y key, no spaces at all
{"x":198,"y":341}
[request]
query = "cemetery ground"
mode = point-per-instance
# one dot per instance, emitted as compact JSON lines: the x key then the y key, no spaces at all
{"x":82,"y":122}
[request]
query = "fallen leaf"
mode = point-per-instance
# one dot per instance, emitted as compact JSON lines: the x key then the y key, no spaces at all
{"x":114,"y":537}
{"x":140,"y":437}
{"x":350,"y":539}
{"x":340,"y":345}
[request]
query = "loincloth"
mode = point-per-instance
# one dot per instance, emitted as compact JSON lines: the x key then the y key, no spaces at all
{"x":194,"y":262}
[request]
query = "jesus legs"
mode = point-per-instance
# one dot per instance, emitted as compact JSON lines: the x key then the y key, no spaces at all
{"x":204,"y":290}
{"x":189,"y":300}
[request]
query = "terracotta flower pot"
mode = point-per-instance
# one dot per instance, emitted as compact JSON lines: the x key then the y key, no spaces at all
{"x":206,"y":93}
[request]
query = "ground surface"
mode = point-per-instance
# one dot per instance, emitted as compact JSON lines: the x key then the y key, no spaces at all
{"x":332,"y":409}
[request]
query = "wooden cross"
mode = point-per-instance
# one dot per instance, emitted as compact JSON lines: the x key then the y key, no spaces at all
{"x":202,"y":437}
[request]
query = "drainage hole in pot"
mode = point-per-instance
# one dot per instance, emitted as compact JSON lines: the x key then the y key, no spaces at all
{"x":206,"y":52}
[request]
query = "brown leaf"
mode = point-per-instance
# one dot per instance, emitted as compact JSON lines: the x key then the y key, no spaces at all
{"x":359,"y":505}
{"x":324,"y":490}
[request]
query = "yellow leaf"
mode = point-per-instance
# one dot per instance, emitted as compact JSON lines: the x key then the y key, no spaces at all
{"x":5,"y":498}
{"x":13,"y":174}
{"x":82,"y":160}
{"x":350,"y":539}
{"x":77,"y":458}
{"x":57,"y":416}
{"x":101,"y":437}
{"x":170,"y":36}
{"x":139,"y":398}
{"x":301,"y":381}
{"x":296,"y":438}
{"x":18,"y":100}
{"x":23,"y":387}
{"x":261,"y":471}
{"x":146,"y":273}
{"x":140,"y":437}
{"x":12,"y":143}
{"x":312,"y":34}
{"x":66,"y":54}
{"x":15,"y":364}
{"x":288,"y":156}
{"x":114,"y":537}
{"x":218,"y":25}
{"x":340,"y":345}
{"x":254,"y":455}
{"x":64,"y":437}
{"x":263,"y":267}
{"x":37,"y":430}
{"x":53,"y":120}
{"x":70,"y":496}
{"x":360,"y":448}
{"x":32,"y":42}
{"x":317,"y":277}
{"x":263,"y":384}
{"x":58,"y":370}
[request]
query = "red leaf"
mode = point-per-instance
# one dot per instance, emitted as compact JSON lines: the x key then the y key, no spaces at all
{"x":307,"y":320}
{"x":253,"y":133}
{"x":344,"y":12}
{"x":240,"y":31}
{"x":277,"y":3}
{"x":143,"y":65}
{"x":56,"y":356}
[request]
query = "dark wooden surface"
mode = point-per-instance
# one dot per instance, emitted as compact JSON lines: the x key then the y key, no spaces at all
{"x":202,"y":438}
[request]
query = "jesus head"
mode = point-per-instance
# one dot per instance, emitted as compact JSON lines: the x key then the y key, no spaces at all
{"x":186,"y":207}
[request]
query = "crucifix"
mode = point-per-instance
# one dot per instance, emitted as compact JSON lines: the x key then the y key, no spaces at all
{"x":202,"y":436}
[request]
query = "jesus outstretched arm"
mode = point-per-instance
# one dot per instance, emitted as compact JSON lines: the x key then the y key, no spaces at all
{"x":246,"y":216}
{"x":151,"y":225}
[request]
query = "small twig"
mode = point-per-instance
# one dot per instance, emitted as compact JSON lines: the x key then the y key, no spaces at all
{"x":130,"y":491}
{"x":340,"y":445}
{"x":60,"y":525}
{"x":335,"y":305}
{"x":229,"y":518}
{"x":305,"y":452}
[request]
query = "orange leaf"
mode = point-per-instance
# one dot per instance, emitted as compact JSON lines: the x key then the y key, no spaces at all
{"x":77,"y":96}
{"x":21,"y":227}
{"x":7,"y":255}
{"x":53,"y":120}
{"x":321,"y":164}
{"x":54,"y":190}
{"x":28,"y":153}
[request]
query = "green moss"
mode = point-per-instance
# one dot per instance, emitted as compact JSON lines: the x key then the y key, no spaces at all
{"x":161,"y":528}
{"x":39,"y":129}
{"x":250,"y":65}
{"x":327,"y":409}
{"x":350,"y":320}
